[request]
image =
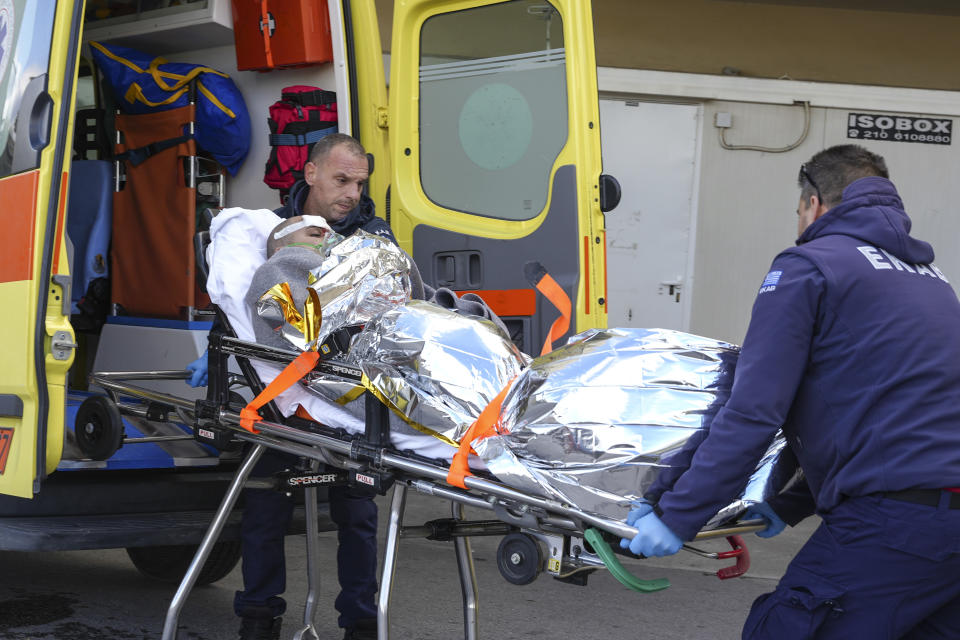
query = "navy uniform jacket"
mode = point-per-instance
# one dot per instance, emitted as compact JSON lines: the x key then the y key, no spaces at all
{"x":362,"y":216}
{"x":854,"y":347}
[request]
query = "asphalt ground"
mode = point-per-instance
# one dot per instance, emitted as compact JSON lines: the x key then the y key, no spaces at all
{"x":87,"y":595}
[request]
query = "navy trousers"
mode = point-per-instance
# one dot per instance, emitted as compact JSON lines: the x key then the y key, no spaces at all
{"x":875,"y":568}
{"x":266,"y":517}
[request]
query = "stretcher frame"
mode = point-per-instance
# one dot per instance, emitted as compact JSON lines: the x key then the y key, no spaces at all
{"x":560,"y":526}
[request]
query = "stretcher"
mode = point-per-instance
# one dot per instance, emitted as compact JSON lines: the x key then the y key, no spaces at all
{"x":538,"y":534}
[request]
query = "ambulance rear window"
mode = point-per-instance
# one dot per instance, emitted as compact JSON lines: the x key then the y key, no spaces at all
{"x":493,"y":107}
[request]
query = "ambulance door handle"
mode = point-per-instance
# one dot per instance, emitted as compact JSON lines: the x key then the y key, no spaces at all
{"x":33,"y":125}
{"x":458,"y":270}
{"x":11,"y":406}
{"x":609,"y":192}
{"x":474,"y":270}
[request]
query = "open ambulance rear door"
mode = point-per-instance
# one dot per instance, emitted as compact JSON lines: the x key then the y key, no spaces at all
{"x":39,"y":44}
{"x":361,"y":86}
{"x":495,"y":145}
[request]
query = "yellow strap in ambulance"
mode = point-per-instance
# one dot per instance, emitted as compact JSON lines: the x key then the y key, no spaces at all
{"x":135,"y":92}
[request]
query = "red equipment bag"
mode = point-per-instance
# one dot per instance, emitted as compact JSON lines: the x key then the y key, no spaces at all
{"x":303,"y":115}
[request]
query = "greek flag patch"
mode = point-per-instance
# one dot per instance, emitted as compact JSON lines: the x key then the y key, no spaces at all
{"x":770,"y":282}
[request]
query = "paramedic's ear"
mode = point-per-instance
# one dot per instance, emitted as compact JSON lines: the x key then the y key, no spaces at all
{"x":309,"y":173}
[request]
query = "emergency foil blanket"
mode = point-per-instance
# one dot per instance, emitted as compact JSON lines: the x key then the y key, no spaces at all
{"x":434,"y":367}
{"x":595,"y":423}
{"x":359,"y":277}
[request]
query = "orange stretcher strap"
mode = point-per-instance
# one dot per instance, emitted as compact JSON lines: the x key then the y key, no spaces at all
{"x":537,"y":275}
{"x":487,"y":424}
{"x":558,"y":298}
{"x":292,"y":373}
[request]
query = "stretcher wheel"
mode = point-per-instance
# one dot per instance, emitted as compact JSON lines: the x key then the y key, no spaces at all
{"x":236,"y":402}
{"x":98,"y":427}
{"x":519,"y":558}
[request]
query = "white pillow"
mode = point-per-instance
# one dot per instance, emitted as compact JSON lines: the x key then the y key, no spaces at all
{"x":238,"y":246}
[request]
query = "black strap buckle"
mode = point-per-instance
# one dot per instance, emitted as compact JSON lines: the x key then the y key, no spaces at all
{"x":142,"y":154}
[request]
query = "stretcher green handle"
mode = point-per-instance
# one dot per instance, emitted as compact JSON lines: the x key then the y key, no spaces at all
{"x":618,"y":571}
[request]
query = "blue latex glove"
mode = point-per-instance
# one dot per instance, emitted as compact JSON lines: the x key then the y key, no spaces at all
{"x":653,"y":539}
{"x":199,"y":369}
{"x":640,"y":509}
{"x":764,"y":511}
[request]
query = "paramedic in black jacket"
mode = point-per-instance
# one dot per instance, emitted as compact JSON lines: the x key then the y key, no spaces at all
{"x":334,"y":179}
{"x":854,"y":348}
{"x":332,"y":186}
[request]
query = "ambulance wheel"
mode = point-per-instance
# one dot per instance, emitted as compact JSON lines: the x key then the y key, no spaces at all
{"x":170,"y":563}
{"x":519,"y":558}
{"x":98,"y":427}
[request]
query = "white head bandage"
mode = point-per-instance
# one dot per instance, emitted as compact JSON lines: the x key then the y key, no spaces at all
{"x":307,"y":221}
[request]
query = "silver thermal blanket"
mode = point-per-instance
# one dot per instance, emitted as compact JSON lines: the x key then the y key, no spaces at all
{"x":437,"y":368}
{"x":597,"y":422}
{"x":594,"y":424}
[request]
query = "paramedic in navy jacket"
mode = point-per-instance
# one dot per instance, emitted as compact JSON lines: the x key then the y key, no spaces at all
{"x":332,"y":188}
{"x":854,"y":347}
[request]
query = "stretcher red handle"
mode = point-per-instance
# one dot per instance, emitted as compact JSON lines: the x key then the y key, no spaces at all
{"x":741,"y":553}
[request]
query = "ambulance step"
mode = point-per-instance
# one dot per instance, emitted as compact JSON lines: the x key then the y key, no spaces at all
{"x":61,"y":533}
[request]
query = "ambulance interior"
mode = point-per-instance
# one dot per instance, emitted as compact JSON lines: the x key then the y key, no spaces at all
{"x":132,"y":229}
{"x":155,"y":317}
{"x":137,"y":295}
{"x":140,"y":189}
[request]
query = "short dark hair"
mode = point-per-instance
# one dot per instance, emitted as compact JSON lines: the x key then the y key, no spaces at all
{"x":323,"y":146}
{"x":275,"y":244}
{"x":833,"y":169}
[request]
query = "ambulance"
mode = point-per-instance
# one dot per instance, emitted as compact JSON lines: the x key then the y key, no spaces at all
{"x":485,"y":159}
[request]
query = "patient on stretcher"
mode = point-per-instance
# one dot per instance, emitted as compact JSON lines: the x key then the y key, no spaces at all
{"x":294,"y":249}
{"x":297,"y":250}
{"x":253,"y":251}
{"x":592,"y":424}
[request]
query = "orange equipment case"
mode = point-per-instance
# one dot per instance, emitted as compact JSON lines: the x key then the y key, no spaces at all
{"x":270,"y":34}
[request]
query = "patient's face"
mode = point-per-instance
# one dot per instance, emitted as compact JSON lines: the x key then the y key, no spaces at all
{"x":310,"y":236}
{"x":335,"y":184}
{"x":299,"y":231}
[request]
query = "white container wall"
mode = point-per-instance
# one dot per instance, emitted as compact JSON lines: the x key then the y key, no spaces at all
{"x":746,"y":200}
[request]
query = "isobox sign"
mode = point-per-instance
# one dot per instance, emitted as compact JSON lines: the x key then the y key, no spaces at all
{"x":892,"y":128}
